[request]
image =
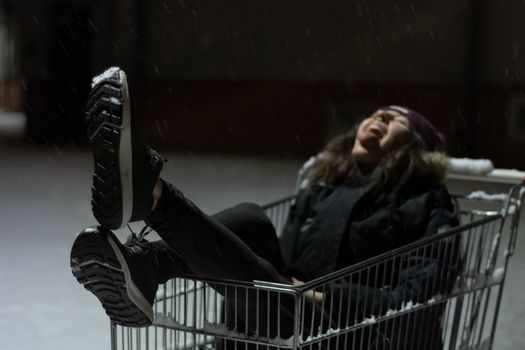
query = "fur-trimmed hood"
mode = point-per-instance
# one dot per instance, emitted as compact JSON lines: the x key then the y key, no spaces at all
{"x":435,"y":165}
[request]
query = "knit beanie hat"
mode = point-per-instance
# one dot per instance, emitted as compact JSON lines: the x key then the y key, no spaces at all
{"x":433,"y":139}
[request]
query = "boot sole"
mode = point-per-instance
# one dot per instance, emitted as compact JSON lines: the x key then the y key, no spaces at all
{"x":108,"y":120}
{"x":98,"y":264}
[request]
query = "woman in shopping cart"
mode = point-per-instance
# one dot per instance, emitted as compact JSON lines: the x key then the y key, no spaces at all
{"x":375,"y":188}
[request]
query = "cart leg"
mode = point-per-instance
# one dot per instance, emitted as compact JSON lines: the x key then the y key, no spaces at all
{"x":113,"y":332}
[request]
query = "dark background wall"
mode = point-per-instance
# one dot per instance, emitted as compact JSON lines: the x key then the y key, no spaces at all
{"x":278,"y":77}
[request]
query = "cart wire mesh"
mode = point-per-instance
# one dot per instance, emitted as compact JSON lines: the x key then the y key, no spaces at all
{"x":440,"y":292}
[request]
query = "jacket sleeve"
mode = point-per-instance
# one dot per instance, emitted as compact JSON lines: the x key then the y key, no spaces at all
{"x":415,"y":277}
{"x":419,"y":278}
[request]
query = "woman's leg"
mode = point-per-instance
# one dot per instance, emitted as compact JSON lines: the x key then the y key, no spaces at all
{"x":249,"y":222}
{"x":211,"y":249}
{"x":208,"y":247}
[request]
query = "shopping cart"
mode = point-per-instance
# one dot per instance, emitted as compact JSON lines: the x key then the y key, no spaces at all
{"x":456,"y":308}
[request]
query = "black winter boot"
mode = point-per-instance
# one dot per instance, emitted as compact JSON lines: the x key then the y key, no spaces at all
{"x":126,"y":169}
{"x":124,"y":277}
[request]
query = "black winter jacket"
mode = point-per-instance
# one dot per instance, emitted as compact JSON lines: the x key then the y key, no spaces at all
{"x":331,"y":228}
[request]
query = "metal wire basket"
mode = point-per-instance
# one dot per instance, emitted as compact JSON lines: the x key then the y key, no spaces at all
{"x":455,"y":308}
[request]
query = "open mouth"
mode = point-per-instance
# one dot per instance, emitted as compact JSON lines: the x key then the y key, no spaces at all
{"x":376,"y":130}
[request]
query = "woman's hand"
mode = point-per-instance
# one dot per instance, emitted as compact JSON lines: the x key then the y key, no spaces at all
{"x":316,"y":296}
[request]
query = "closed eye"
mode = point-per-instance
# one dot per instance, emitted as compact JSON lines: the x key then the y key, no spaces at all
{"x":385,"y":117}
{"x":403,"y":120}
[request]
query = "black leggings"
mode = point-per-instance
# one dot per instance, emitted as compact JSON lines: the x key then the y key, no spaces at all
{"x":238,"y":243}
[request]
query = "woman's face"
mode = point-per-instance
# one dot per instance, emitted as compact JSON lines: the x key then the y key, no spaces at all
{"x":384,"y":131}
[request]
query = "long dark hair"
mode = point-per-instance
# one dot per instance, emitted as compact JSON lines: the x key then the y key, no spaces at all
{"x":335,"y":166}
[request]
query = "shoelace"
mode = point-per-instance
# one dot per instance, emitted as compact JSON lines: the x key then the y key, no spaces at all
{"x":135,"y":238}
{"x":139,"y":244}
